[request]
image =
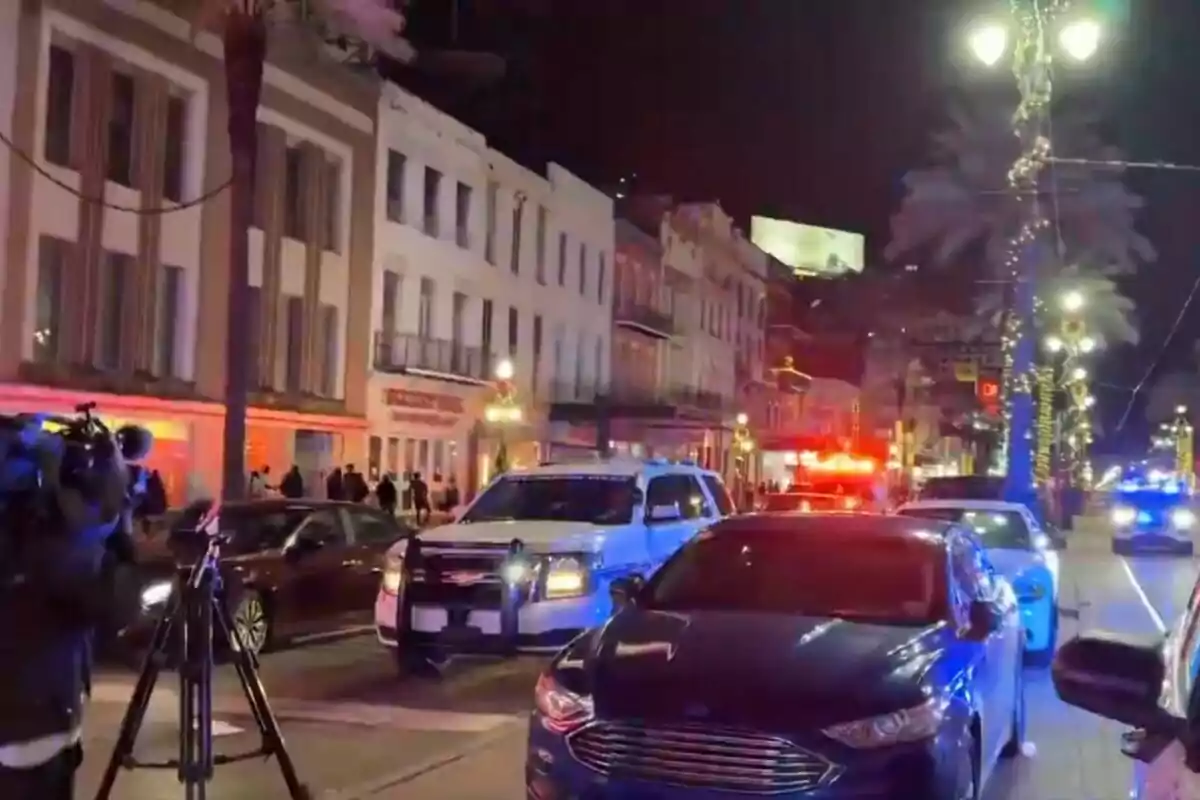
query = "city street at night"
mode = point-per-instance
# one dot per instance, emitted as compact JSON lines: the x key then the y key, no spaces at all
{"x":357,"y":731}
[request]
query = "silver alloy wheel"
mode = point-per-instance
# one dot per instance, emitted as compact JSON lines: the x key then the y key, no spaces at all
{"x":250,"y":621}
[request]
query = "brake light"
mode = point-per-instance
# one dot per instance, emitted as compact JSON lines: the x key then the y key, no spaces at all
{"x":851,"y":503}
{"x":561,"y":710}
{"x":393,"y":575}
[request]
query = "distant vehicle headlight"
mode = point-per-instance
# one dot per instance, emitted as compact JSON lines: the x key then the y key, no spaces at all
{"x":1183,"y":518}
{"x":910,"y":725}
{"x":1123,"y":515}
{"x":156,"y":594}
{"x":566,"y":577}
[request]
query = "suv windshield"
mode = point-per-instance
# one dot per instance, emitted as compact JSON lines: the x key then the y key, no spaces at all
{"x":1002,"y":530}
{"x":598,"y":499}
{"x":878,"y":579}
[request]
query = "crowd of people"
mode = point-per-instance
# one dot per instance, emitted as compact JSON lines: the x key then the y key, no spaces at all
{"x":406,"y":494}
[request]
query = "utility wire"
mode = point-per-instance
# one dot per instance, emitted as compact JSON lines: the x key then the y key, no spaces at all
{"x":1122,"y":164}
{"x":100,"y":201}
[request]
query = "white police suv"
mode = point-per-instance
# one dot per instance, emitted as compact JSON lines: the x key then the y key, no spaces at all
{"x":527,"y":566}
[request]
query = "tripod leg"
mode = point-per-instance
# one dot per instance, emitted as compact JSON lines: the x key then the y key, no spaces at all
{"x":195,"y":680}
{"x":139,"y":702}
{"x":260,"y":706}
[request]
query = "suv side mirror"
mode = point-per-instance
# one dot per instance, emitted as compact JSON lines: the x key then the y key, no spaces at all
{"x":624,"y":591}
{"x":983,"y":620}
{"x":1116,"y":678}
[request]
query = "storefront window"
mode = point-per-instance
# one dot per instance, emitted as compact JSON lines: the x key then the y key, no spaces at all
{"x":393,"y":455}
{"x":410,"y":455}
{"x":439,"y":460}
{"x":423,"y":457}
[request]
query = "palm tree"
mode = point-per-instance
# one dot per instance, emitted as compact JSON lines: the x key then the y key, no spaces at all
{"x":961,"y":200}
{"x":367,"y":25}
{"x":1109,"y":315}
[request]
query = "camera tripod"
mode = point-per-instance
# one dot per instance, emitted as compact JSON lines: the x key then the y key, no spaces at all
{"x":195,"y":616}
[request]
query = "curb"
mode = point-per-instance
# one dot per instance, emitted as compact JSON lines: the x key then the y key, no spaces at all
{"x":444,"y":759}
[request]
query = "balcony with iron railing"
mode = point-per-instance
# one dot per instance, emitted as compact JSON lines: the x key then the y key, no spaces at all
{"x":571,"y":402}
{"x":644,"y":318}
{"x":410,"y":353}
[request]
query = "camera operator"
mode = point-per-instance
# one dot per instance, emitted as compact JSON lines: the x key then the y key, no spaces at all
{"x":65,"y":570}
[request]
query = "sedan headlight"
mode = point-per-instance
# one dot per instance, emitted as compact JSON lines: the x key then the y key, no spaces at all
{"x":393,"y":575}
{"x":1123,"y":515}
{"x":566,"y":577}
{"x":1183,"y":518}
{"x":909,"y":725}
{"x":155,"y":594}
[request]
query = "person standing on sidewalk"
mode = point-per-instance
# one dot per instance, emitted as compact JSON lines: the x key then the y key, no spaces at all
{"x":386,"y":493}
{"x":420,"y":498}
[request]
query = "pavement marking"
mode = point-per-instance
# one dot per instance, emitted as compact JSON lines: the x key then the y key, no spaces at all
{"x":1155,"y":617}
{"x":379,"y":716}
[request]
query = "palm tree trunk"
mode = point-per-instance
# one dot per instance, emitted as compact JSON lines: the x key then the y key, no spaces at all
{"x":245,"y":40}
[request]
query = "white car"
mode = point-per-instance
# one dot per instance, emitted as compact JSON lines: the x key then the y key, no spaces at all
{"x":527,"y":566}
{"x":1020,"y":551}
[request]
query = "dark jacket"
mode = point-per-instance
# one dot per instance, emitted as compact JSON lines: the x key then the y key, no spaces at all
{"x":56,"y":589}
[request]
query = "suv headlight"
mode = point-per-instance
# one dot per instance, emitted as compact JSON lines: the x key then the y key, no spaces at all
{"x":909,"y":725}
{"x":1183,"y":518}
{"x":1123,"y":515}
{"x":566,"y":577}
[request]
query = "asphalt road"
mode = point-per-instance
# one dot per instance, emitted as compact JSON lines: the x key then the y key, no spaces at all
{"x":357,"y":731}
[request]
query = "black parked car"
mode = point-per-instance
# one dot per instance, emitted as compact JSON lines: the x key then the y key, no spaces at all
{"x":293,"y":569}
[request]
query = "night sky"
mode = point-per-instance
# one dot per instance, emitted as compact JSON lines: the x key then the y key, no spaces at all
{"x":814,"y":110}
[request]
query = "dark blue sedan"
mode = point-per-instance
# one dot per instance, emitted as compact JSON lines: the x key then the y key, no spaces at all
{"x":796,"y":656}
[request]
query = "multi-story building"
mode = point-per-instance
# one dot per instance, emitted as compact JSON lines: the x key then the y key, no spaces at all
{"x":778,"y":412}
{"x":478,"y":261}
{"x":125,"y":301}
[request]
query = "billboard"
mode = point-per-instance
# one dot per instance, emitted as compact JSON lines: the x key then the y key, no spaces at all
{"x":810,"y":251}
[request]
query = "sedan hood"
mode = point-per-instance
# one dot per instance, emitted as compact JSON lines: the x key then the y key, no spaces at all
{"x":538,"y":535}
{"x":771,"y":672}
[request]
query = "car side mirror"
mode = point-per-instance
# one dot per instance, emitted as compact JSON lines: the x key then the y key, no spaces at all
{"x":668,"y":512}
{"x":624,"y":591}
{"x":983,"y":620}
{"x":1116,"y":678}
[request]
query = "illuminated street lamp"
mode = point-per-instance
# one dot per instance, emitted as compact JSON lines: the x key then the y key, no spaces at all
{"x":505,"y":369}
{"x":504,"y":410}
{"x":1073,"y":301}
{"x":1079,"y":374}
{"x":1087,"y":344}
{"x":743,"y":446}
{"x":988,"y":42}
{"x":1081,"y":38}
{"x":1054,"y":344}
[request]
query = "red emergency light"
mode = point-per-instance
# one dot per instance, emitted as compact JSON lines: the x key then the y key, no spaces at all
{"x":838,"y":462}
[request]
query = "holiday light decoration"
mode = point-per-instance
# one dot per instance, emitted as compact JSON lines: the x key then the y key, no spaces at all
{"x":1185,"y":459}
{"x":1045,"y":423}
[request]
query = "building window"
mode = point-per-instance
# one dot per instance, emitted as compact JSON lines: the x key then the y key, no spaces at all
{"x":486,"y":323}
{"x":489,"y":244}
{"x":391,"y":303}
{"x":556,"y":370}
{"x":458,"y":310}
{"x":118,"y":268}
{"x":397,"y":171}
{"x":537,"y":349}
{"x":175,"y":133}
{"x":540,"y":245}
{"x":513,"y":331}
{"x":328,"y":328}
{"x":52,"y":267}
{"x":425,"y":309}
{"x":582,"y":268}
{"x":333,"y":205}
{"x":462,"y":215}
{"x":120,"y":130}
{"x":254,"y":313}
{"x":433,"y":188}
{"x":393,"y":456}
{"x":579,"y":346}
{"x":601,"y":277}
{"x":562,"y":259}
{"x":517,"y":220}
{"x":598,"y":362}
{"x":294,"y":351}
{"x":262,"y":133}
{"x":293,"y":194}
{"x":59,"y":89}
{"x":170,"y":289}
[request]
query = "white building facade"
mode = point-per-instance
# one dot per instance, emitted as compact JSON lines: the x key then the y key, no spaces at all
{"x":127,"y":305}
{"x":478,"y":261}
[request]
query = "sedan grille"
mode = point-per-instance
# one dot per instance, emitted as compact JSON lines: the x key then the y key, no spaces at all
{"x":702,"y":758}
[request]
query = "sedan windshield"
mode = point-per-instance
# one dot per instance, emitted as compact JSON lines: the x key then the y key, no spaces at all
{"x":880,"y":579}
{"x":598,"y":499}
{"x":1001,"y":530}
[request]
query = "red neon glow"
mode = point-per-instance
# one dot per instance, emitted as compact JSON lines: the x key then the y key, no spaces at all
{"x":839,"y":462}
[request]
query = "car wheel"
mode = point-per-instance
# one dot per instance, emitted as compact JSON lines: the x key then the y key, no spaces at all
{"x":1044,"y":657}
{"x":252,"y":622}
{"x":1012,"y":748}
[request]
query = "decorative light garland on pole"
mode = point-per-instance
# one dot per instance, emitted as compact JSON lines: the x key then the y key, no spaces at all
{"x":1045,"y":423}
{"x":1185,"y":459}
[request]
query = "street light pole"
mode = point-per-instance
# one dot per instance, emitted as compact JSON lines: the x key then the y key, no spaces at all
{"x":1033,"y":22}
